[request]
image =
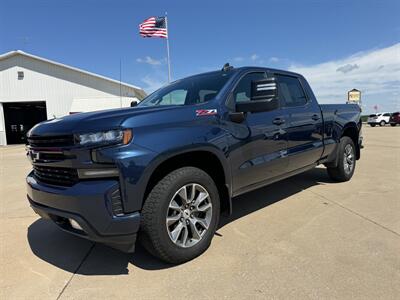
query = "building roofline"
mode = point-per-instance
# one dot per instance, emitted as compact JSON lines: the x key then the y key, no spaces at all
{"x":20,"y":52}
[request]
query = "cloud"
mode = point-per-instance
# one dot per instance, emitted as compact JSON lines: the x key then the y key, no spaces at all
{"x":149,"y":60}
{"x":254,"y":57}
{"x":153,"y":82}
{"x":380,"y":67}
{"x":273,"y":59}
{"x":376,"y":73}
{"x":347,"y":68}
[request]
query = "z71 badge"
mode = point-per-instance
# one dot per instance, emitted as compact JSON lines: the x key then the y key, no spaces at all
{"x":206,"y":112}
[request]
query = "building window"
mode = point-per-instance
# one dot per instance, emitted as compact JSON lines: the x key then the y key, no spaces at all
{"x":20,"y":75}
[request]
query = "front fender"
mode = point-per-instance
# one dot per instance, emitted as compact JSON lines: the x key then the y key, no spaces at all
{"x":165,"y":156}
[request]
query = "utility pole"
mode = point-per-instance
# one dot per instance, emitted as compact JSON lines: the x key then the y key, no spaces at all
{"x":120,"y":83}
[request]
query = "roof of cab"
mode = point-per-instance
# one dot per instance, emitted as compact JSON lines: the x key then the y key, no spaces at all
{"x":246,"y":69}
{"x":266,"y":69}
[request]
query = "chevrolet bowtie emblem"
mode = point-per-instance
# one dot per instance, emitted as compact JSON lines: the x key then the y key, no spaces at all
{"x":35,"y":156}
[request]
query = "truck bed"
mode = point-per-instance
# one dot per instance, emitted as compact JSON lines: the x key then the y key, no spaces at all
{"x":340,"y":114}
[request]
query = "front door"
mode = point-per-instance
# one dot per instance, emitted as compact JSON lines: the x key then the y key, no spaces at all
{"x":258,"y":145}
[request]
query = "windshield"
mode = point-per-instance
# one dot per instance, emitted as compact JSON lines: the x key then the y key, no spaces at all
{"x":191,"y":90}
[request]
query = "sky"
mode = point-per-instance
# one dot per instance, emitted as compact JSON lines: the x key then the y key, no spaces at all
{"x":337,"y":45}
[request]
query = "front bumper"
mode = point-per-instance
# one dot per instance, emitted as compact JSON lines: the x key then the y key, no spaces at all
{"x":89,"y":204}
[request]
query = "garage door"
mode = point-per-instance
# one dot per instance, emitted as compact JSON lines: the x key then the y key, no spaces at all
{"x":19,"y":117}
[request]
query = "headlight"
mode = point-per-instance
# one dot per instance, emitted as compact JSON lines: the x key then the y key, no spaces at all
{"x":117,"y":136}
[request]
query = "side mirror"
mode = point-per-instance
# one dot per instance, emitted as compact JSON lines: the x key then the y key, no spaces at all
{"x":257,"y":106}
{"x":134,"y":103}
{"x":264,"y":89}
{"x":264,"y":97}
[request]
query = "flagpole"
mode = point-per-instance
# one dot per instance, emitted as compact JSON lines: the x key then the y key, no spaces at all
{"x":168,"y":59}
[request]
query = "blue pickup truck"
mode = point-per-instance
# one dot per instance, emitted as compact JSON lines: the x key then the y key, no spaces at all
{"x":163,"y":171}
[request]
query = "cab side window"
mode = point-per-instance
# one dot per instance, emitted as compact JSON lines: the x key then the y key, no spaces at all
{"x":291,"y":91}
{"x":242,"y":92}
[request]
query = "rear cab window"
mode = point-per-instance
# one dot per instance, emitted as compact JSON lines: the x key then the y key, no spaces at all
{"x":291,"y":91}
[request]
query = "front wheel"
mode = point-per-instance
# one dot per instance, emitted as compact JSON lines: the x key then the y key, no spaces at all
{"x":372,"y":125}
{"x":180,"y":215}
{"x":393,"y":124}
{"x":382,"y":123}
{"x":346,"y":161}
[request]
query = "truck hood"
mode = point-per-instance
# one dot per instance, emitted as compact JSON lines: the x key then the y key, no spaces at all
{"x":94,"y":121}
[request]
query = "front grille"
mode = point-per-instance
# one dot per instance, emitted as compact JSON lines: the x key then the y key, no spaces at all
{"x":56,"y":175}
{"x":48,"y":156}
{"x":51,"y":141}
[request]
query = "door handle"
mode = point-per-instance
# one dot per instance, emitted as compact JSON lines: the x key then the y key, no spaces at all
{"x":278,"y":121}
{"x":315,"y":117}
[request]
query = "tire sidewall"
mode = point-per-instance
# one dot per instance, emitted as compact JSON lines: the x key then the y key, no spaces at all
{"x":185,"y":176}
{"x":343,"y":143}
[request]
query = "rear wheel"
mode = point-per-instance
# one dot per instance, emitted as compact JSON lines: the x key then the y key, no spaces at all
{"x":372,"y":125}
{"x":382,"y":123}
{"x":346,"y":161}
{"x":393,"y":124}
{"x":180,"y":215}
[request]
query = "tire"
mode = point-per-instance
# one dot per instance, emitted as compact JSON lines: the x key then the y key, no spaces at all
{"x":372,"y":125}
{"x":393,"y":124}
{"x":382,"y":123}
{"x":341,"y":173}
{"x":165,"y":204}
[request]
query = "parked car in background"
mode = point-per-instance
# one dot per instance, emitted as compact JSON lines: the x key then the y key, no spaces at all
{"x":380,"y":119}
{"x":394,"y":119}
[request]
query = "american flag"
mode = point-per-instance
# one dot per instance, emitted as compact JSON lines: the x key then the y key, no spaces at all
{"x":154,"y":27}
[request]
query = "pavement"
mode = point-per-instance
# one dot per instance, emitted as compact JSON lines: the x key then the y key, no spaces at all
{"x":304,"y":237}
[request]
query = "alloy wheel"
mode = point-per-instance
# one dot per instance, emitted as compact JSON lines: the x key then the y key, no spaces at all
{"x":348,"y":160}
{"x":189,"y":215}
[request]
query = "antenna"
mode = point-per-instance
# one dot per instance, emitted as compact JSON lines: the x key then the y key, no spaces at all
{"x":226,"y":67}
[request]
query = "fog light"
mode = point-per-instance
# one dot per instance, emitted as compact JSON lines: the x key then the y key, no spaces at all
{"x":75,"y":225}
{"x":97,"y":173}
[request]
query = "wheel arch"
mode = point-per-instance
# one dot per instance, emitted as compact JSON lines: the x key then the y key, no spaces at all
{"x":206,"y":158}
{"x":352,"y":131}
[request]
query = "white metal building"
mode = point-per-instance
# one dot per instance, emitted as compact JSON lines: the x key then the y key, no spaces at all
{"x":33,"y":89}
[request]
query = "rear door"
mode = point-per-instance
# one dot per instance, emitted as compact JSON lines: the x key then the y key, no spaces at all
{"x":305,"y":124}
